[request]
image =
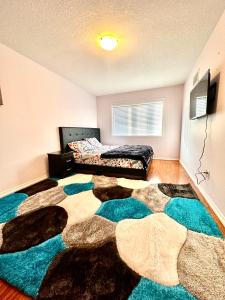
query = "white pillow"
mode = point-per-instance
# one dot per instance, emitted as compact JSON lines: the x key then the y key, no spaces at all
{"x":80,"y":146}
{"x":94,"y":142}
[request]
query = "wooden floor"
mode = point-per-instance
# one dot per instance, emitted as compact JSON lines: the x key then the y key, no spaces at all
{"x":161,"y":171}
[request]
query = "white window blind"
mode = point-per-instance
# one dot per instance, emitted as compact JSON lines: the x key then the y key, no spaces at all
{"x":138,"y":119}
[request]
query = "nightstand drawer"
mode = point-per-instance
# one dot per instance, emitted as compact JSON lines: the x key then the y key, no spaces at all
{"x":68,"y":168}
{"x":67,"y":172}
{"x":67,"y":160}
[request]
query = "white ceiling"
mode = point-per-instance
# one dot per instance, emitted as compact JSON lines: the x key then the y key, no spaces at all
{"x":159,"y":39}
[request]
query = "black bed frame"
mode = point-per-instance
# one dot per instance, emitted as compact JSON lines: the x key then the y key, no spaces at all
{"x":70,"y":134}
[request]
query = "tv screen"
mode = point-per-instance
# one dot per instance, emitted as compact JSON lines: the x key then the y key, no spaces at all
{"x":199,"y":98}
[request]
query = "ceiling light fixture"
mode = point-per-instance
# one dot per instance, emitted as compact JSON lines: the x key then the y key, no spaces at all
{"x":108,"y":42}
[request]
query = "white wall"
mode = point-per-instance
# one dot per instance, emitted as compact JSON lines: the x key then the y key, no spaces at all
{"x":36,"y":101}
{"x":168,"y":145}
{"x":213,"y":57}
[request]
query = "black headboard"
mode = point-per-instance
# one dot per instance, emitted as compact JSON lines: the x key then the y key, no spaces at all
{"x":71,"y":134}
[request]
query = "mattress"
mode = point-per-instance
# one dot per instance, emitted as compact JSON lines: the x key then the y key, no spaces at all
{"x":94,"y":158}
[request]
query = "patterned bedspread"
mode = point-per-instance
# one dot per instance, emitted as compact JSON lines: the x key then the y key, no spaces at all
{"x":94,"y":158}
{"x":143,"y":153}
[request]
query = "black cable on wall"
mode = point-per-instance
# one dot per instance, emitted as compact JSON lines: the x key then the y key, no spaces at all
{"x":199,"y":172}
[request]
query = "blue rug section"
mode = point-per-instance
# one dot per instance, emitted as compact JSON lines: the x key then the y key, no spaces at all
{"x":192,"y":214}
{"x":9,"y":204}
{"x":119,"y":209}
{"x":147,"y":289}
{"x":75,"y":188}
{"x":26,"y":269}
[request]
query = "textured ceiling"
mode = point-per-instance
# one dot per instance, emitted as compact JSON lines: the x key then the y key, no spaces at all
{"x":159,"y":39}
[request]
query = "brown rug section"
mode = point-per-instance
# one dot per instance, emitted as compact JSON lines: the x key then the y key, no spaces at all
{"x":103,"y":181}
{"x":92,"y":232}
{"x":177,"y":190}
{"x":152,"y":196}
{"x":201,"y":266}
{"x":94,"y":273}
{"x":39,"y":187}
{"x":42,"y":199}
{"x":110,"y":193}
{"x":33,"y":228}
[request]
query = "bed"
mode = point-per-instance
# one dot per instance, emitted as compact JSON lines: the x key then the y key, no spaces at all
{"x":103,"y":162}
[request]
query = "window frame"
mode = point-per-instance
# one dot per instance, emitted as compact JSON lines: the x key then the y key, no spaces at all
{"x":160,"y":100}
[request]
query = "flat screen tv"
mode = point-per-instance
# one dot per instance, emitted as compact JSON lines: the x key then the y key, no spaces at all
{"x":199,"y":98}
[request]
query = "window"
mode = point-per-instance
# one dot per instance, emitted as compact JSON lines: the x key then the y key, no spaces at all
{"x":138,"y":119}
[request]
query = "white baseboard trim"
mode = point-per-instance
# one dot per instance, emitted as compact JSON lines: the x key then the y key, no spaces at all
{"x":209,"y":199}
{"x":22,"y":186}
{"x":165,"y":158}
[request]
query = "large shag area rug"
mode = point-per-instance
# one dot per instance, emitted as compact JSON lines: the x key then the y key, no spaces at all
{"x":96,"y":237}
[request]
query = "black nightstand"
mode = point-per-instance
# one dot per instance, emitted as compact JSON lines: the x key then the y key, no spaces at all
{"x":60,"y":164}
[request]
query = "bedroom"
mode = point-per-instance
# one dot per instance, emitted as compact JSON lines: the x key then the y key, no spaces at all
{"x":55,"y":74}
